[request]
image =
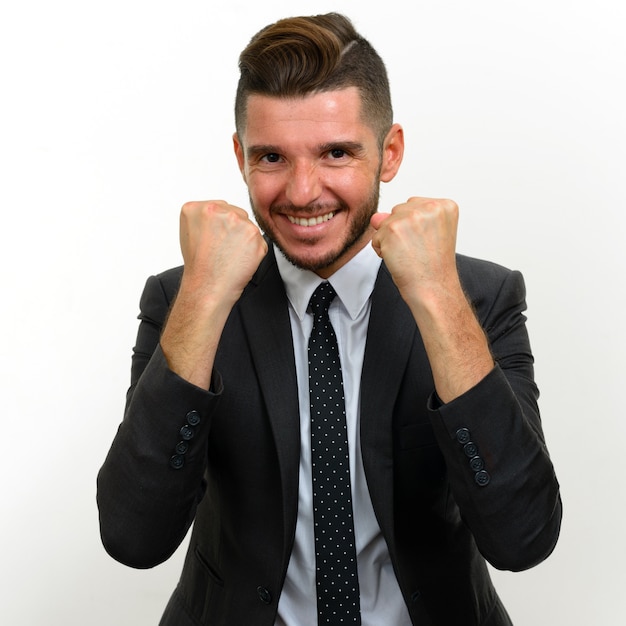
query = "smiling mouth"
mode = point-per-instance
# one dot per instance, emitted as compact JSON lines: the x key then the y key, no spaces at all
{"x":310,"y":221}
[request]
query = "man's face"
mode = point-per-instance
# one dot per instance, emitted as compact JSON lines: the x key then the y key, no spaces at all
{"x":313,"y":169}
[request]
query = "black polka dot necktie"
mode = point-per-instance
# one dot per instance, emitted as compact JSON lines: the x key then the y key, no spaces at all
{"x":335,"y":553}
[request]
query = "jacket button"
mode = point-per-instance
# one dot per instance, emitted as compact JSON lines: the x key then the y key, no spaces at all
{"x":264,"y":595}
{"x":181,"y":447}
{"x":177,"y":461}
{"x":415,"y":596}
{"x":193,"y":418}
{"x":476,"y":463}
{"x":482,"y":478}
{"x":471,"y":449}
{"x":186,"y":432}
{"x":463,"y":435}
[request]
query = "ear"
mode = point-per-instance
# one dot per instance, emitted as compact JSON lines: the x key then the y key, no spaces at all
{"x":392,"y":153}
{"x":239,"y":153}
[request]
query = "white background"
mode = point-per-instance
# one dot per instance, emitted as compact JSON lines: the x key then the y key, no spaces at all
{"x":112,"y":114}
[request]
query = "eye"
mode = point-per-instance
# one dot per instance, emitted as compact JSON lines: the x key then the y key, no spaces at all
{"x":337,"y":153}
{"x":272,"y":157}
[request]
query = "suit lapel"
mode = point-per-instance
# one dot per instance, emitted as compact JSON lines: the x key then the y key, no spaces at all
{"x":265,"y":316}
{"x":389,"y":341}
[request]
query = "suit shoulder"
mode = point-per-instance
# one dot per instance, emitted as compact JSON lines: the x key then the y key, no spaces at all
{"x":170,"y":279}
{"x":479,"y":272}
{"x":486,"y":282}
{"x":160,"y":289}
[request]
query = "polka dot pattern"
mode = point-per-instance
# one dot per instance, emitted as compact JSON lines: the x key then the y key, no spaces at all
{"x":335,"y":554}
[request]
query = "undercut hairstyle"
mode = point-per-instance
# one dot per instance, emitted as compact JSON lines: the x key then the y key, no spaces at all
{"x":301,"y":56}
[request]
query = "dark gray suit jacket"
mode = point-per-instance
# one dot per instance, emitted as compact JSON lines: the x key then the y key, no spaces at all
{"x":443,"y":506}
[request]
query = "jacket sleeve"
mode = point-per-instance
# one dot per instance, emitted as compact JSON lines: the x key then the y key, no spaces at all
{"x":153,"y":476}
{"x":500,"y":471}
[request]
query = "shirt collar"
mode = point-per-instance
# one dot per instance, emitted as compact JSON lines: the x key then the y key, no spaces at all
{"x":353,"y":282}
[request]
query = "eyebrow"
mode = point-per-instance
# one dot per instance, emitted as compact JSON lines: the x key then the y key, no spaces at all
{"x":354,"y":147}
{"x":260,"y":149}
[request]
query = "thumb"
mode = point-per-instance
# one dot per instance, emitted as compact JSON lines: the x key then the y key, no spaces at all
{"x":377,"y":219}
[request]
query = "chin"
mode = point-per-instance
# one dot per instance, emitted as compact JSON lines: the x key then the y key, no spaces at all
{"x":315,"y":261}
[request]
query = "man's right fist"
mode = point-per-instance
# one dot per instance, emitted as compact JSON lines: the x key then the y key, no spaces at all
{"x":221,"y":246}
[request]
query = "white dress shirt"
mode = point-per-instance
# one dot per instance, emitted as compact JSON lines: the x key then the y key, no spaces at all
{"x":381,"y":599}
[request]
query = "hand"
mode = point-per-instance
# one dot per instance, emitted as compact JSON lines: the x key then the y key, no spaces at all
{"x":417,"y":242}
{"x":221,"y":248}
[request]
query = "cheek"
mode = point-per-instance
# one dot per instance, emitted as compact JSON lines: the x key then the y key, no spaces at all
{"x":262,"y":190}
{"x":354,"y":187}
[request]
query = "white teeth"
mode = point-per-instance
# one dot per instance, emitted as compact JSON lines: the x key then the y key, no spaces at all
{"x":311,"y":221}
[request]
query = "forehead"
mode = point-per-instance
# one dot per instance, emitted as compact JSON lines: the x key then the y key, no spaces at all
{"x":328,"y":112}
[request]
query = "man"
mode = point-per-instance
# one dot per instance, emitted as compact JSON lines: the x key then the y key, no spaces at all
{"x":446,"y":456}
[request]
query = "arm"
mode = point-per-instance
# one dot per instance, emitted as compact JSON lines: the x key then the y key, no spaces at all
{"x":514,"y":510}
{"x":147,"y":499}
{"x":221,"y":248}
{"x":513,"y":505}
{"x":417,"y":242}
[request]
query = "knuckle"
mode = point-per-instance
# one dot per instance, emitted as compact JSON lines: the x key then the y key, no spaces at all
{"x":188,"y":207}
{"x":214,"y":206}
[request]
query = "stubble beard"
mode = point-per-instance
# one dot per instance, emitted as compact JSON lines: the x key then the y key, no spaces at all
{"x":357,"y":228}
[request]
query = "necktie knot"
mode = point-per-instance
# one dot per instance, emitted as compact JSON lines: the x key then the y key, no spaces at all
{"x":321,"y":299}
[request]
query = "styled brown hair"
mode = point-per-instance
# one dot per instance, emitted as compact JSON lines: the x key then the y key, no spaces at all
{"x":299,"y":56}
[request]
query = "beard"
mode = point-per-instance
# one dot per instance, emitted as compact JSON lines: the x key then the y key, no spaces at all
{"x":357,"y":227}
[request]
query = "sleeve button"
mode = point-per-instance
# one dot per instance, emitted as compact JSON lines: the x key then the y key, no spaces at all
{"x":177,"y":461}
{"x":476,"y":463}
{"x":482,"y":478}
{"x":463,"y":435}
{"x":193,"y":418}
{"x":186,"y":432}
{"x":471,"y":449}
{"x":181,"y":447}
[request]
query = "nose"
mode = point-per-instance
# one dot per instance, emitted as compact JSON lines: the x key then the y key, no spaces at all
{"x":304,"y":185}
